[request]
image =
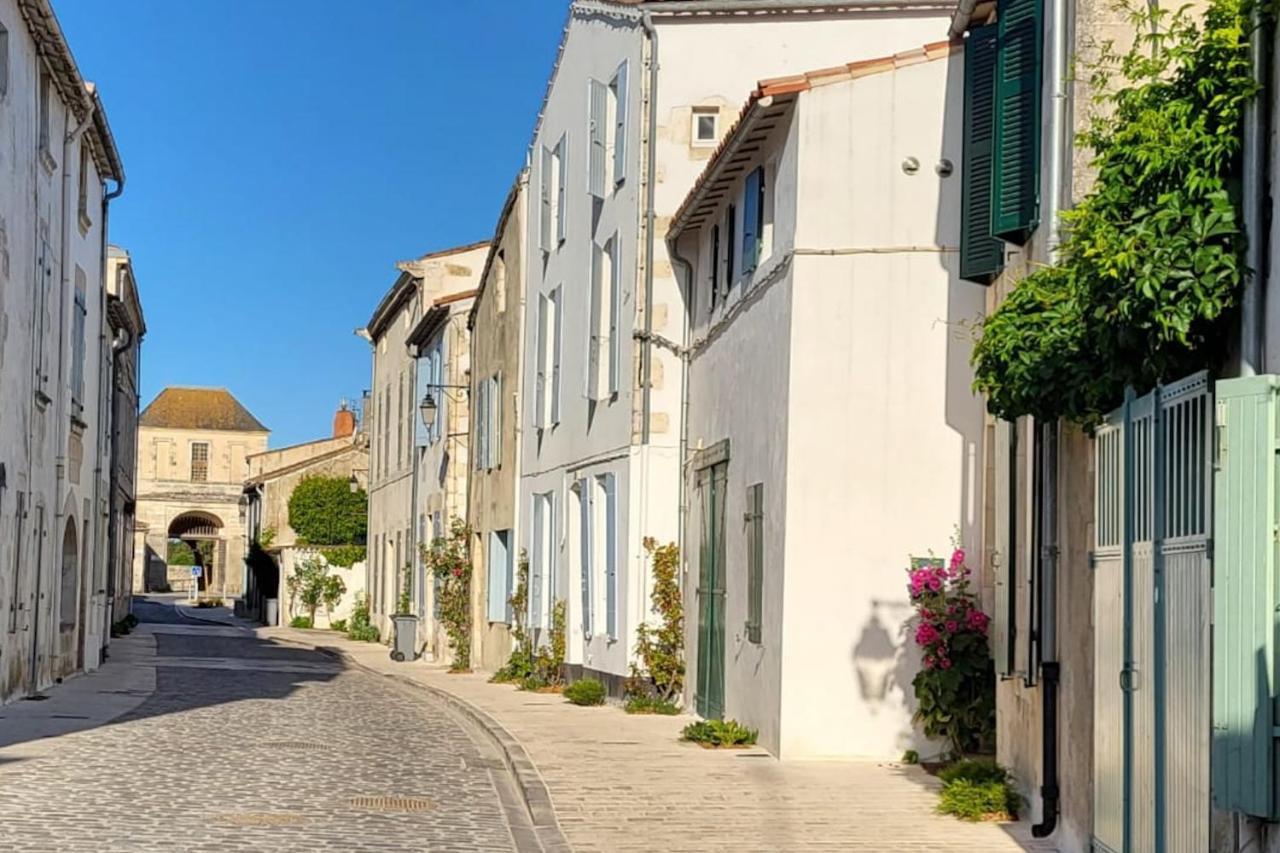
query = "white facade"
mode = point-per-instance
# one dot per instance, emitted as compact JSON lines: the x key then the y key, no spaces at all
{"x":54,"y":348}
{"x":607,"y":420}
{"x":835,"y":378}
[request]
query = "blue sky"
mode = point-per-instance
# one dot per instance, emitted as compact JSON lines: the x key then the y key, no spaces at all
{"x":281,"y":155}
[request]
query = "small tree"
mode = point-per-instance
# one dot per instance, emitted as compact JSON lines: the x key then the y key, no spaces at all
{"x":312,"y":585}
{"x":324,"y":511}
{"x":404,"y":602}
{"x":450,"y":562}
{"x":660,"y":647}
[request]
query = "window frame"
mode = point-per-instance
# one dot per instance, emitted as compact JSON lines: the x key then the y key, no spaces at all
{"x":696,"y":140}
{"x":192,"y":460}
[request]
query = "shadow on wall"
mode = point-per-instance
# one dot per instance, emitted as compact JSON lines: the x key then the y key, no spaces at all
{"x":883,"y":663}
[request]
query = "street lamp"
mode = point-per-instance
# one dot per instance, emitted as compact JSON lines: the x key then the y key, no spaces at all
{"x":428,"y":408}
{"x":353,"y":484}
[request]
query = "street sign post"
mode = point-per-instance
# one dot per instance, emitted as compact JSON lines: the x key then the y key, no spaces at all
{"x":196,"y":571}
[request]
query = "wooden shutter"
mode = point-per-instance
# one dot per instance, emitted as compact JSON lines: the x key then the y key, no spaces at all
{"x":615,"y":313}
{"x":498,"y":592}
{"x":1016,"y":160}
{"x":620,"y":125}
{"x":540,"y":380}
{"x":598,"y":106}
{"x":981,"y":255}
{"x":609,"y":483}
{"x":755,"y":561}
{"x":544,"y":224}
{"x":562,"y":174}
{"x":482,"y":425}
{"x":584,"y":523}
{"x":536,"y":563}
{"x":558,"y":325}
{"x":592,"y":385}
{"x":751,"y":220}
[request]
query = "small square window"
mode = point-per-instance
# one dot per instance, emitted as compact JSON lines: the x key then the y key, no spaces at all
{"x":706,"y":126}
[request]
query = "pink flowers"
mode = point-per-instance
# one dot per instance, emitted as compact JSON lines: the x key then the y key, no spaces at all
{"x":946,"y":611}
{"x":926,"y":634}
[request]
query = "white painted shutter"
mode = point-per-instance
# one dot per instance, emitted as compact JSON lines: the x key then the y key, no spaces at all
{"x":495,"y":421}
{"x":544,"y":230}
{"x":611,"y":556}
{"x":584,"y":487}
{"x":561,"y":195}
{"x":620,"y":126}
{"x":536,"y":563}
{"x":615,"y":314}
{"x":557,"y":297}
{"x":593,"y":343}
{"x":498,"y":577}
{"x":598,"y":97}
{"x":540,"y":381}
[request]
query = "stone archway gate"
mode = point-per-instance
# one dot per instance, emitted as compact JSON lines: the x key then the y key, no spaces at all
{"x":1152,"y":604}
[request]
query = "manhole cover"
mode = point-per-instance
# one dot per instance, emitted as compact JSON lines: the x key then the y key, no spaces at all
{"x":297,"y":745}
{"x":393,"y":804}
{"x":262,"y":819}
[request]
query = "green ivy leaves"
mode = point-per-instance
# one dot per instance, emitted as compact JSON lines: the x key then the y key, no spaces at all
{"x":1152,"y":257}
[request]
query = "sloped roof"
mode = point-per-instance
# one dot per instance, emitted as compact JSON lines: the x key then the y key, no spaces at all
{"x":180,"y":407}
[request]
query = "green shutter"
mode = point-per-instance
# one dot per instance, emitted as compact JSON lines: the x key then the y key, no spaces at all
{"x":755,"y":561}
{"x":1245,"y":624}
{"x":981,"y":255}
{"x":1016,"y":161}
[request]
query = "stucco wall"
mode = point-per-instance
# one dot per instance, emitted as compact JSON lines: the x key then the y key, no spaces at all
{"x":498,"y":315}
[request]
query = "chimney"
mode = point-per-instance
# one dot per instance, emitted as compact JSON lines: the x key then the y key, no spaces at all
{"x":344,"y":422}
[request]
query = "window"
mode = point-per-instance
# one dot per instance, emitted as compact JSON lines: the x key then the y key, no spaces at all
{"x":547,"y":390}
{"x":85,"y":164}
{"x":199,"y":461}
{"x":46,"y":92}
{"x":705,"y":127}
{"x":714,"y":264}
{"x":981,"y":254}
{"x":500,"y":576}
{"x":730,"y":229}
{"x":753,"y":220}
{"x":19,"y":516}
{"x":562,"y":180}
{"x":78,"y":344}
{"x":618,"y":144}
{"x":755,"y":560}
{"x":603,"y":344}
{"x":4,"y":61}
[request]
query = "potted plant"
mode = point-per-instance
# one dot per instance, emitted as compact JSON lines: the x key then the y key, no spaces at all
{"x":405,"y":644}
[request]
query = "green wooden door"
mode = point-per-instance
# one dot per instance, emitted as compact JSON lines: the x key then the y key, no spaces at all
{"x":710,"y":692}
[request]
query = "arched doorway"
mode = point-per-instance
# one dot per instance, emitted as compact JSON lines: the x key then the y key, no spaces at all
{"x":201,"y":532}
{"x":70,"y":578}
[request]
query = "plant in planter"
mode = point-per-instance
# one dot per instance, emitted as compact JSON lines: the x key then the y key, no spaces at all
{"x":449,"y":560}
{"x":717,"y":734}
{"x":519,"y":665}
{"x":405,"y":620}
{"x":955,"y":687}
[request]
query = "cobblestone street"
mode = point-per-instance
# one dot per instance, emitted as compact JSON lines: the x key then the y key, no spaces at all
{"x":251,"y":744}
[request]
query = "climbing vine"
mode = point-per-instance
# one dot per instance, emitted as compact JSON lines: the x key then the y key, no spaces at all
{"x":1151,"y":261}
{"x":660,"y":646}
{"x":449,"y":560}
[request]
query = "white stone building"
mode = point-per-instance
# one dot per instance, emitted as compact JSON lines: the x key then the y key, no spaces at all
{"x":399,"y":478}
{"x":831,"y":433}
{"x":59,"y":156}
{"x":641,"y":94}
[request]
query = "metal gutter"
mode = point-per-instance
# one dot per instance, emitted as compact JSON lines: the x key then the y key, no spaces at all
{"x":651,"y":179}
{"x":1254,"y":168}
{"x":720,"y":7}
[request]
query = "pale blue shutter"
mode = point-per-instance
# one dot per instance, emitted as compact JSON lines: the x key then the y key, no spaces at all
{"x":620,"y":126}
{"x":437,"y":377}
{"x":540,"y":380}
{"x":553,"y":546}
{"x":562,"y":152}
{"x":615,"y":312}
{"x":598,"y":96}
{"x":751,"y":210}
{"x":610,"y":556}
{"x":498,"y":592}
{"x":482,"y":425}
{"x":584,"y":503}
{"x":556,"y":301}
{"x":592,"y":385}
{"x":536,"y":563}
{"x":544,"y":229}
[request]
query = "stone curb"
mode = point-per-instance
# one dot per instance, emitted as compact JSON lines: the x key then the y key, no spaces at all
{"x":537,"y":799}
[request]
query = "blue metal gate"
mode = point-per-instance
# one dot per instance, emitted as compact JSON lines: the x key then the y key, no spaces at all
{"x":1151,"y":622}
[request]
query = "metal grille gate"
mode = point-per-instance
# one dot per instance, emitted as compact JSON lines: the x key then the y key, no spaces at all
{"x":1151,"y":607}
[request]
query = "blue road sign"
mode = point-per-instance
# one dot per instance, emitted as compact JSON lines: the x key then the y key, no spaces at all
{"x":196,"y":571}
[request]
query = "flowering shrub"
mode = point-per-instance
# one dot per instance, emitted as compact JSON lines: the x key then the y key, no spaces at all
{"x":955,"y":687}
{"x":450,"y":563}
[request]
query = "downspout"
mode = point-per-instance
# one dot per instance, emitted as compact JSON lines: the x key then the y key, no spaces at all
{"x":1254,"y":168}
{"x":1056,"y":199}
{"x":105,"y":412}
{"x":118,"y":346}
{"x":646,"y":351}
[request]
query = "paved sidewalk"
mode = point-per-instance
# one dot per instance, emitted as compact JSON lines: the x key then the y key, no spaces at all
{"x":621,"y":783}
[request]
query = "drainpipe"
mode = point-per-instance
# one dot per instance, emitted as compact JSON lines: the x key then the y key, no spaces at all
{"x":1254,"y":168}
{"x":118,"y":346}
{"x":646,"y":350}
{"x":1061,"y":23}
